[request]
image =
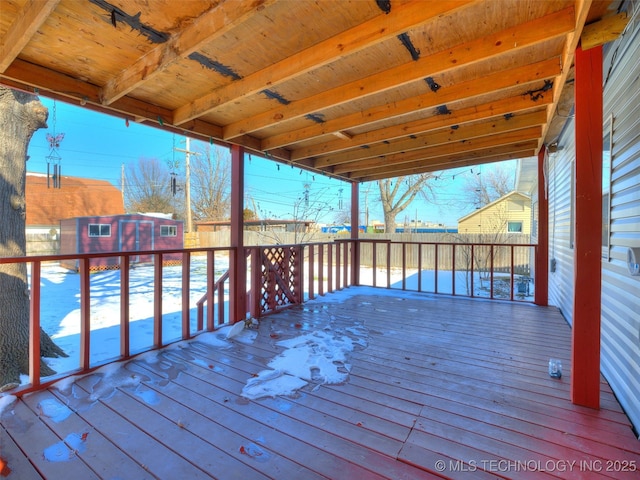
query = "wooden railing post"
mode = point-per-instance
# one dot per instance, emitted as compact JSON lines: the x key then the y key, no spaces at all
{"x":389,"y":265}
{"x":125,"y":342}
{"x":419,"y":267}
{"x":345,"y":264}
{"x":453,"y":269}
{"x":186,"y":277}
{"x":436,"y":267}
{"x":330,"y":267}
{"x":85,"y":314}
{"x":337,"y":260}
{"x":211,"y":280}
{"x":311,"y":264}
{"x":34,"y":325}
{"x":298,"y":273}
{"x":157,"y":300}
{"x":404,"y":266}
{"x":321,"y":269}
{"x":512,"y":275}
{"x":374,"y":262}
{"x":472,"y":271}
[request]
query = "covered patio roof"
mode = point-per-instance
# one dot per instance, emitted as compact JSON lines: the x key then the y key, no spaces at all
{"x":359,"y":90}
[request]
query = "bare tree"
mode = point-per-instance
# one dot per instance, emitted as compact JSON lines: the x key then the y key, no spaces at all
{"x":210,"y":184}
{"x":21,"y":114}
{"x":398,"y":193}
{"x":148,"y":187}
{"x":483,"y":187}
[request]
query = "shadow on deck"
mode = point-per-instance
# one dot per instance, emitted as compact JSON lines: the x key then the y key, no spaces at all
{"x":436,"y":386}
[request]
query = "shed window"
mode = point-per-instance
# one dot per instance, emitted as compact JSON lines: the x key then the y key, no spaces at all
{"x":168,"y":231}
{"x":99,"y":230}
{"x":514,"y":227}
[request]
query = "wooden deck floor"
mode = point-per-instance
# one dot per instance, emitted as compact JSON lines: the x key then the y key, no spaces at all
{"x":445,"y":387}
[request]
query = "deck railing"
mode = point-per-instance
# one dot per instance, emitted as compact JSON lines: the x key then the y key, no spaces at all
{"x":278,"y":276}
{"x":125,"y":262}
{"x":290,"y":274}
{"x":490,"y":270}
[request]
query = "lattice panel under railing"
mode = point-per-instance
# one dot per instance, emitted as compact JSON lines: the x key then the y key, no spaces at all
{"x":279,"y":277}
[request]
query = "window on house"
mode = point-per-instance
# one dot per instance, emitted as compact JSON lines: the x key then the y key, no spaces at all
{"x":534,"y":220}
{"x":606,"y":188}
{"x":168,"y":231}
{"x":514,"y":227}
{"x":99,"y":230}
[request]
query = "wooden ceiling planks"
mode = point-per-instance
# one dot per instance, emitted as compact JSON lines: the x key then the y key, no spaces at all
{"x":359,"y":89}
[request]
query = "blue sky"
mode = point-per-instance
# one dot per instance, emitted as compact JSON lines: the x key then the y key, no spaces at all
{"x":97,"y":145}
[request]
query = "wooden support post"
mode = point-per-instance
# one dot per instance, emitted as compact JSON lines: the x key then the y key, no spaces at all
{"x":541,"y":295}
{"x":585,"y":358}
{"x":238,"y":276}
{"x":355,"y":226}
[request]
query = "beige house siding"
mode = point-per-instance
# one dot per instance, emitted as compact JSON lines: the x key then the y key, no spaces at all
{"x":496,"y":217}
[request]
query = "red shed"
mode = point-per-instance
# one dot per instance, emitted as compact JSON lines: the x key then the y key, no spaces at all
{"x":119,"y":233}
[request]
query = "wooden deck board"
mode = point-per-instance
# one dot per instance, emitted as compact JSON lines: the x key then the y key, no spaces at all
{"x":112,"y":462}
{"x":12,"y":459}
{"x":460,"y":381}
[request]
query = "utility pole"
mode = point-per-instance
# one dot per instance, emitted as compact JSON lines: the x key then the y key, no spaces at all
{"x":122,"y":181}
{"x":187,"y":180}
{"x":366,"y":209}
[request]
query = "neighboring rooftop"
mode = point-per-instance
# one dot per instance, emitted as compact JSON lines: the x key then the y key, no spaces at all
{"x":76,"y":197}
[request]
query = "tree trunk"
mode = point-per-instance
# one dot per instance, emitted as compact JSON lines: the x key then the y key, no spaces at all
{"x":21,"y":114}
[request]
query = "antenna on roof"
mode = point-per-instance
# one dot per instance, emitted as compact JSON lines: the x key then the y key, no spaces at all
{"x":54,"y":159}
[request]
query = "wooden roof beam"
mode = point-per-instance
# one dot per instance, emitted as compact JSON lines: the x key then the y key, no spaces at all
{"x":571,"y":43}
{"x":491,"y":83}
{"x":376,"y":30}
{"x":34,"y":13}
{"x":463,"y":133}
{"x":605,"y":30}
{"x":518,"y":136}
{"x":498,"y":108}
{"x":446,"y":163}
{"x":211,"y":25}
{"x":512,"y":39}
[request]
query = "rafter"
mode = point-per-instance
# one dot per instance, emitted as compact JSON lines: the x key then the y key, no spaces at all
{"x":489,"y":110}
{"x":455,"y":93}
{"x":476,"y":51}
{"x":34,"y":13}
{"x":445,"y":163}
{"x":211,"y":25}
{"x":376,"y":30}
{"x":531,"y":133}
{"x":438,"y":137}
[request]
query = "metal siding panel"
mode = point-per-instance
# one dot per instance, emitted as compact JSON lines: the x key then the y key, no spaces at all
{"x":620,"y":292}
{"x":561,"y":282}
